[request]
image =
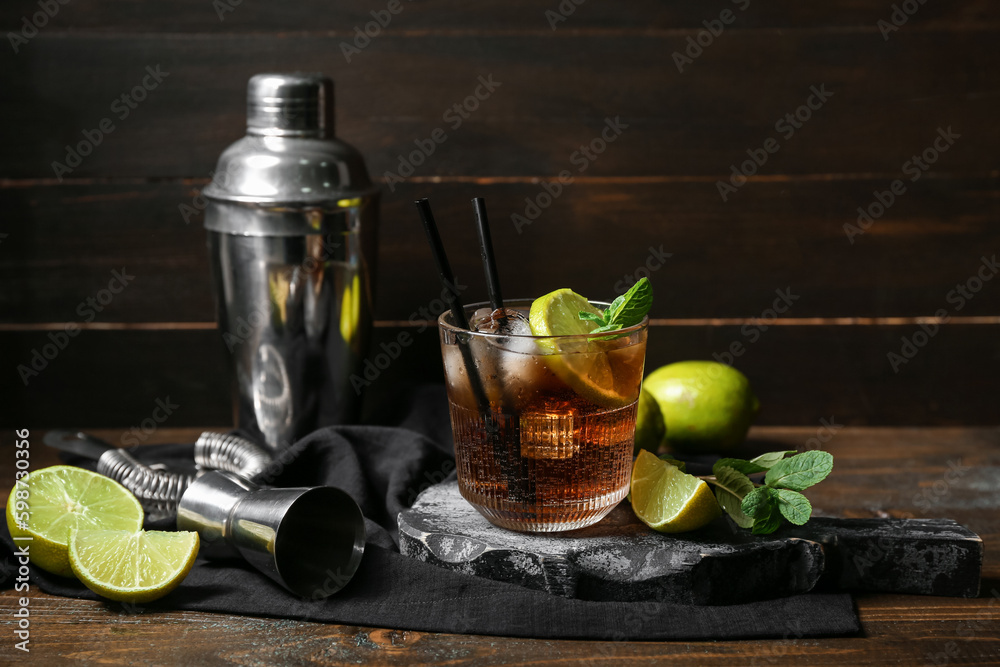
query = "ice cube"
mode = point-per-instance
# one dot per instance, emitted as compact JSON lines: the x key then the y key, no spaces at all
{"x":522,"y":376}
{"x":506,"y":322}
{"x":501,"y":321}
{"x":486,"y":371}
{"x":547,"y":435}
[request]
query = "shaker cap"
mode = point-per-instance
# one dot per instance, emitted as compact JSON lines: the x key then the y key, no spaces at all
{"x":289,"y":159}
{"x":292,"y":104}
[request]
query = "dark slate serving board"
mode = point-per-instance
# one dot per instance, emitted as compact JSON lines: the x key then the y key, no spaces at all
{"x":621,"y":559}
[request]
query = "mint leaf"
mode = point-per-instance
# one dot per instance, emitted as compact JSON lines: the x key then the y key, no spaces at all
{"x":615,"y":306}
{"x":764,"y":508}
{"x":625,"y":311}
{"x":629,"y":309}
{"x":768,"y":460}
{"x":731,"y":487}
{"x":745,"y":467}
{"x":793,"y":505}
{"x":800,"y":471}
{"x":760,"y":464}
{"x":757,"y":503}
{"x":762,"y":505}
{"x":768,"y":520}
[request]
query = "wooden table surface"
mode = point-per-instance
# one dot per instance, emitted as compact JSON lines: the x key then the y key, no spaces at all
{"x":921,"y":472}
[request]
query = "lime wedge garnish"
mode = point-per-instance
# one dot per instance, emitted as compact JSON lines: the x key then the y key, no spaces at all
{"x":581,"y":364}
{"x":558,"y":314}
{"x":132,"y":566}
{"x":60,"y":499}
{"x":668,"y":500}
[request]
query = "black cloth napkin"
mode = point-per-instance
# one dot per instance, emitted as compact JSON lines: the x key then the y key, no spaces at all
{"x":384,"y":468}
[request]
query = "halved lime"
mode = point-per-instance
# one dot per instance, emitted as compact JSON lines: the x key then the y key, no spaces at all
{"x":132,"y":566}
{"x":668,"y":500}
{"x":581,"y":364}
{"x":51,"y":502}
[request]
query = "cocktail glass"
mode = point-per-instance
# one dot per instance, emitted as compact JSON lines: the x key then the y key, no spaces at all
{"x":543,"y":425}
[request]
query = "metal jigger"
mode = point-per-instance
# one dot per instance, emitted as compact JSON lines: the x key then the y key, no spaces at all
{"x":309,"y":540}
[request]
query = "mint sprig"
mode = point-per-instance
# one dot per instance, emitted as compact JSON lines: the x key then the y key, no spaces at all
{"x":762,"y":508}
{"x":625,"y":311}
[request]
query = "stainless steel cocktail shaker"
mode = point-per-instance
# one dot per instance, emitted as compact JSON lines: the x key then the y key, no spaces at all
{"x":291,"y":222}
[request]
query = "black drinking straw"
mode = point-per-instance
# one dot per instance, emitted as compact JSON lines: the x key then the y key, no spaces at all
{"x":453,"y":299}
{"x":489,"y":262}
{"x":458,"y":314}
{"x":441,"y":259}
{"x":527,"y":493}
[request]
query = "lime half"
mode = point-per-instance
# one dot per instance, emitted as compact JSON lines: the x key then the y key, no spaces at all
{"x":51,"y":502}
{"x":581,"y":364}
{"x":668,"y":500}
{"x":132,"y":566}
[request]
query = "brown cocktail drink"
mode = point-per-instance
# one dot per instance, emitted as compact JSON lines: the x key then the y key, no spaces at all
{"x":544,"y":425}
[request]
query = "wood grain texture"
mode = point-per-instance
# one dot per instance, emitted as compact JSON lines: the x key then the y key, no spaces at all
{"x":888,"y":100}
{"x":494,"y":15}
{"x":726,"y":260}
{"x":801,"y":374}
{"x":654,"y":185}
{"x":878,"y":472}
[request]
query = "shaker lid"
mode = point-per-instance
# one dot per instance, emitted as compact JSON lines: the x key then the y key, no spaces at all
{"x":289,"y":156}
{"x":296,"y":104}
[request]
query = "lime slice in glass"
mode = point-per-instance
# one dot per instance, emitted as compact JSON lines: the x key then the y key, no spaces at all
{"x":581,"y":364}
{"x":51,"y":502}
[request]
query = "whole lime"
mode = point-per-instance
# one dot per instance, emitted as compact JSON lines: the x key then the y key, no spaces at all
{"x":706,"y":406}
{"x":649,"y":425}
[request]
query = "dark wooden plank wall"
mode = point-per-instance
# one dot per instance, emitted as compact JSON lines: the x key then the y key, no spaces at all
{"x":653,"y":190}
